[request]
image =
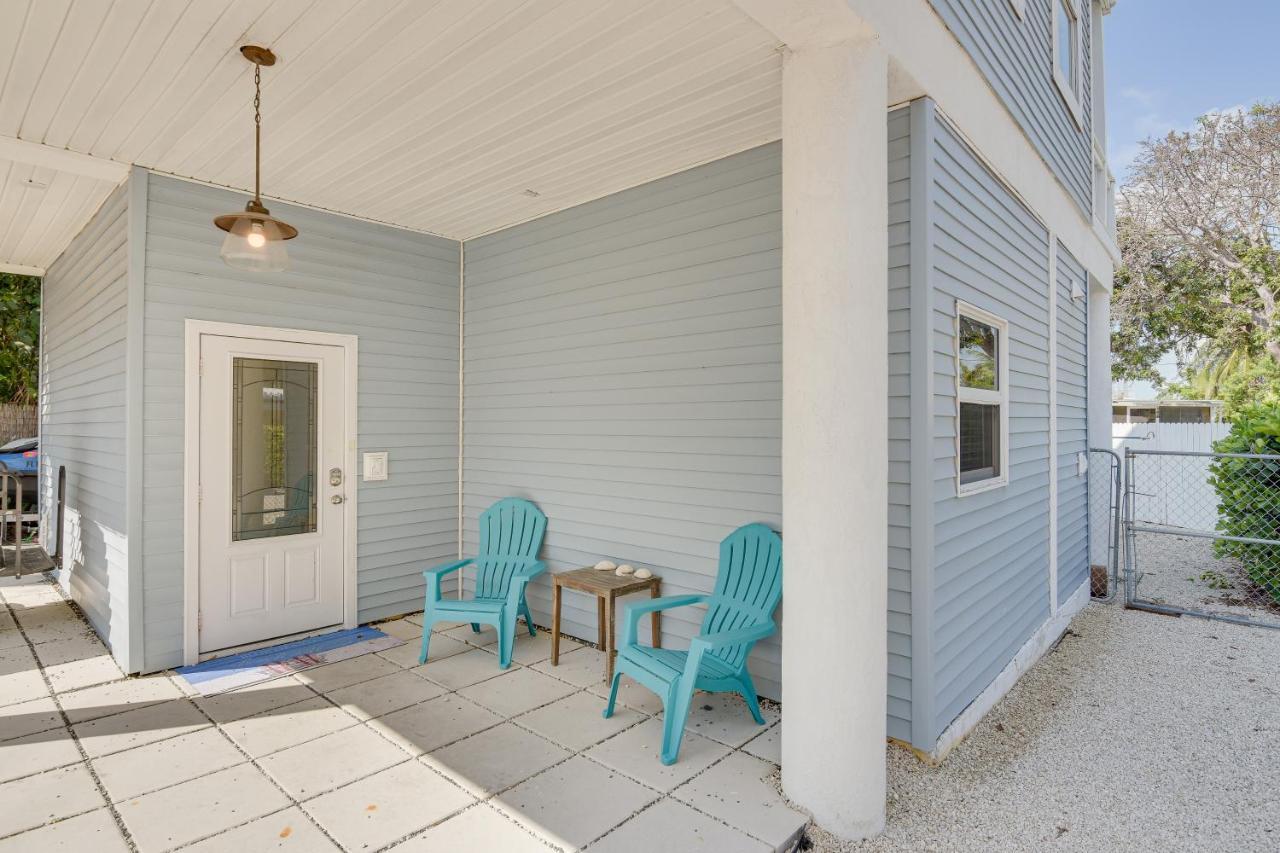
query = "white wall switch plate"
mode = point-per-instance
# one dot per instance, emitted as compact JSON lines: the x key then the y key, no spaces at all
{"x":375,"y":466}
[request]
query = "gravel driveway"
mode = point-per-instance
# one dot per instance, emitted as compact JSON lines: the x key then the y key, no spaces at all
{"x":1138,"y":732}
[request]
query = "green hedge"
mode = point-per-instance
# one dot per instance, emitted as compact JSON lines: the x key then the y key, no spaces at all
{"x":1249,"y":494}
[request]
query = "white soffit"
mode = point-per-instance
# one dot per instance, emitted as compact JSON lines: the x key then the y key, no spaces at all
{"x":455,"y":117}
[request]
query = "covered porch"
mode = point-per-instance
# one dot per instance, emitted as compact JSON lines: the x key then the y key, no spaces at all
{"x":718,"y":355}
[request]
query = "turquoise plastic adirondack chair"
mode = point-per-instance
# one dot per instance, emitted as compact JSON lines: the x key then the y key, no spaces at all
{"x":510,"y":535}
{"x":739,"y":613}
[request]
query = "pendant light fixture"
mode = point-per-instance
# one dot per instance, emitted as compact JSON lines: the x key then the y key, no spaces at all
{"x":255,"y":239}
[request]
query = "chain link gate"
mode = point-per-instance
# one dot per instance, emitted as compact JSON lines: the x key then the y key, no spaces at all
{"x":1104,"y":523}
{"x":1202,"y":534}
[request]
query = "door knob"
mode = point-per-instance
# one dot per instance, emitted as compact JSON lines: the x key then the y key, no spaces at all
{"x":336,"y":499}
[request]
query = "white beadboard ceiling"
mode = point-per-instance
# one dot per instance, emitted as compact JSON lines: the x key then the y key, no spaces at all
{"x":455,"y":117}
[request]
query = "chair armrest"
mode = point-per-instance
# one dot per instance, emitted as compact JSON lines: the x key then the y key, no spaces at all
{"x":639,"y":608}
{"x":734,"y":638}
{"x":527,"y":570}
{"x":530,"y":569}
{"x":704,"y":643}
{"x":446,"y":568}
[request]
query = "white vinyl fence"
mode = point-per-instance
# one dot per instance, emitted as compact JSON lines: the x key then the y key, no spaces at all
{"x":1188,"y":503}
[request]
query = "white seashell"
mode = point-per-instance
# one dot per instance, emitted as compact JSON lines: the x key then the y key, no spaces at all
{"x":626,"y":569}
{"x":606,"y":566}
{"x":643,"y":574}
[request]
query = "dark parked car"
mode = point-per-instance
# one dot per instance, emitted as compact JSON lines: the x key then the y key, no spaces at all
{"x":22,"y":457}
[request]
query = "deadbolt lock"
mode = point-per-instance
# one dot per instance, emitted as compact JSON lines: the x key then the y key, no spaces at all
{"x":335,"y":476}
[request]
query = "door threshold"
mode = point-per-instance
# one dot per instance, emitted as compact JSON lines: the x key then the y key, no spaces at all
{"x":263,"y":644}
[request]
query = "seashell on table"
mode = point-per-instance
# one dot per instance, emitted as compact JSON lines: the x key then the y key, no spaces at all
{"x":626,"y":569}
{"x":606,"y":566}
{"x":643,"y":574}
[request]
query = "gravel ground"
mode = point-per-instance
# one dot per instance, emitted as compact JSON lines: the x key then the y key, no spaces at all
{"x":1138,"y":732}
{"x":1182,"y":571}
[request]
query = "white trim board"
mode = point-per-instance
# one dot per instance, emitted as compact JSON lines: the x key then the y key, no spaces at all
{"x":135,"y":428}
{"x":62,"y":160}
{"x":19,"y":269}
{"x":1052,"y":358}
{"x":1027,"y":657}
{"x":191,"y":465}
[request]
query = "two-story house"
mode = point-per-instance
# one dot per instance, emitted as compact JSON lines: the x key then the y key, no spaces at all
{"x":840,"y":266}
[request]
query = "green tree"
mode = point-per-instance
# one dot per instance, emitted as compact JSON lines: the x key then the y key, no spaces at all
{"x":1239,"y":379}
{"x":1199,"y":231}
{"x":19,"y":337}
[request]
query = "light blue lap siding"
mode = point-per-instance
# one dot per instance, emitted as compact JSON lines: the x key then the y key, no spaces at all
{"x":1073,"y":495}
{"x":398,"y":292}
{"x":901,"y":202}
{"x":623,"y":371}
{"x":991,"y":549}
{"x":1015,"y":54}
{"x":82,"y":415}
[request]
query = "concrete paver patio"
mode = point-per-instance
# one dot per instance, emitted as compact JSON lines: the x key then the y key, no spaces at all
{"x":371,"y":753}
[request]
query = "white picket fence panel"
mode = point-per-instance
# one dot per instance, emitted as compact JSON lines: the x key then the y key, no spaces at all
{"x":1177,"y":492}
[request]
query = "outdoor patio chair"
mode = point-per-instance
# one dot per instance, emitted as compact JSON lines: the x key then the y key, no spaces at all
{"x":739,"y":613}
{"x":510,"y":535}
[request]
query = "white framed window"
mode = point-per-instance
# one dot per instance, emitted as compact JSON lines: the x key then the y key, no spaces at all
{"x":1068,"y":55}
{"x":982,"y":400}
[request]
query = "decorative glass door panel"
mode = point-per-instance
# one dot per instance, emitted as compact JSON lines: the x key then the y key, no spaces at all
{"x":273,"y":447}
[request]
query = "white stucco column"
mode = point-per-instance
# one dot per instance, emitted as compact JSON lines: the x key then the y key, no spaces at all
{"x":834,"y":432}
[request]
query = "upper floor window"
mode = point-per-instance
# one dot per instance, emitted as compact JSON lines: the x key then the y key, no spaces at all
{"x":982,"y":400}
{"x":1067,"y":54}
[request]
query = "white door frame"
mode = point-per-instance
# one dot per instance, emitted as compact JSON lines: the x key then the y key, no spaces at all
{"x":191,"y":466}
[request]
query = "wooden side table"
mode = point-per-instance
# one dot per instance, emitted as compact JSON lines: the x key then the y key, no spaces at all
{"x":606,"y":587}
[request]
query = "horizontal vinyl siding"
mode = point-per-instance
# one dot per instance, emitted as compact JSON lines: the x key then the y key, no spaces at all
{"x":398,"y":292}
{"x":899,"y":699}
{"x":82,"y":414}
{"x":991,"y":549}
{"x":1015,"y":54}
{"x":1073,"y":489}
{"x":623,"y":370}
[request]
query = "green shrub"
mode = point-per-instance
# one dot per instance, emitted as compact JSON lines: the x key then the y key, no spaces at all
{"x":1249,"y":494}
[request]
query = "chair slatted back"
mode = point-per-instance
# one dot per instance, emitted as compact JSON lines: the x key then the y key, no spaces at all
{"x":511,"y":528}
{"x":748,"y":586}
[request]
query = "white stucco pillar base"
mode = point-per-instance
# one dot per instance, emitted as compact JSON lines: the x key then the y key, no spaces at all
{"x":834,"y":433}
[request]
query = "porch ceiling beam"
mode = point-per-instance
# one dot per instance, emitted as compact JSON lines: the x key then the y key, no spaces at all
{"x":62,"y":160}
{"x":19,"y":269}
{"x":807,"y":23}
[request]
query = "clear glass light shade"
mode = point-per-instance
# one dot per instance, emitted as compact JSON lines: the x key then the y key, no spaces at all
{"x":255,"y":243}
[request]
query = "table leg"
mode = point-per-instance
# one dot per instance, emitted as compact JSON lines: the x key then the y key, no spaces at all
{"x":610,"y":653}
{"x":600,"y":621}
{"x":555,"y":624}
{"x":654,"y":592}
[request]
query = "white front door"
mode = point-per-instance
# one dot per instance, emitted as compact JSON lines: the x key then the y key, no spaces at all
{"x":271,"y":489}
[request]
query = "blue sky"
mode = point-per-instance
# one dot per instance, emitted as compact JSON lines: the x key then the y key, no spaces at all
{"x":1169,"y":61}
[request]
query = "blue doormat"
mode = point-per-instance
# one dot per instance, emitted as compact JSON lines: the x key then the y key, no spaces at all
{"x":221,"y":674}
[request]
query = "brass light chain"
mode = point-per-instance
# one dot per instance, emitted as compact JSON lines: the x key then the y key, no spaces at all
{"x":257,"y":132}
